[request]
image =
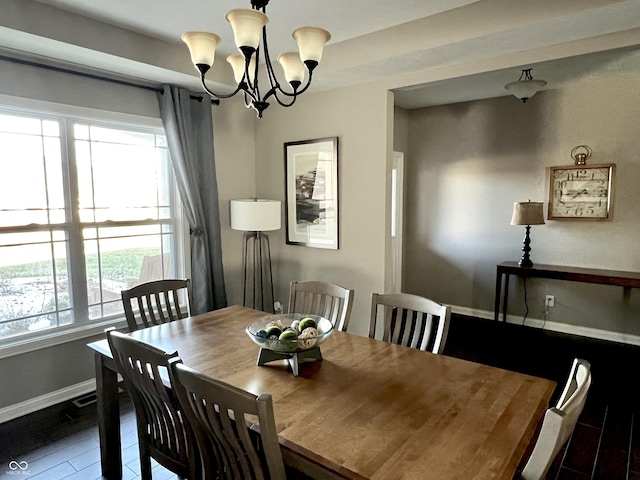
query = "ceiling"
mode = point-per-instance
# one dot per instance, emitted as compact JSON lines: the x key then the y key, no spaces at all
{"x":428,"y":52}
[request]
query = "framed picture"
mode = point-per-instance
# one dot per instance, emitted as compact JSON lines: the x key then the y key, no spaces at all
{"x":581,"y":192}
{"x":311,"y":175}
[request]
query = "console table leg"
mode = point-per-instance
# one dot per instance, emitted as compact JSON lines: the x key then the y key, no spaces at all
{"x":505,"y":299}
{"x":496,"y":303}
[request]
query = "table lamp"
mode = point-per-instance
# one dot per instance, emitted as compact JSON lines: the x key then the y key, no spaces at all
{"x":527,"y":213}
{"x":255,"y":216}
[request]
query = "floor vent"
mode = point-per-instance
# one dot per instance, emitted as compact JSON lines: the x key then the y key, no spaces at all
{"x":85,"y":400}
{"x":88,"y":399}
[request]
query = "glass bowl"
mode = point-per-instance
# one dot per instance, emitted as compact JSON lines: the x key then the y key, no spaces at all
{"x":296,"y":344}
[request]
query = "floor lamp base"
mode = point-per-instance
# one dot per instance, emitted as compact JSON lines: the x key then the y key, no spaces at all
{"x":257,"y":278}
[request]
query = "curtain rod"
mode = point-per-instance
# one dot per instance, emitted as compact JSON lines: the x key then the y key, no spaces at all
{"x":94,"y":76}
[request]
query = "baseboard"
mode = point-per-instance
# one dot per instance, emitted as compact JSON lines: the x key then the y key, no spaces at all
{"x":47,"y":400}
{"x":554,"y":326}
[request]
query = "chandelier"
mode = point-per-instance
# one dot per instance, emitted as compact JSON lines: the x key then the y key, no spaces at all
{"x":249,"y":28}
{"x":526,"y":86}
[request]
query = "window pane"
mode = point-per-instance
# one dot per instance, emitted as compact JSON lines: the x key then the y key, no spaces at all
{"x":119,"y":259}
{"x":116,"y":174}
{"x":33,"y":283}
{"x":16,"y":124}
{"x":32,"y":181}
{"x":135,"y":168}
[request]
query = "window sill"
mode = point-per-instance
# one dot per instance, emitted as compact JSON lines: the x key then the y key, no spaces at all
{"x":57,"y":337}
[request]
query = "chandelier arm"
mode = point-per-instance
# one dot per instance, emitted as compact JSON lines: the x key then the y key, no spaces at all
{"x":271,"y":74}
{"x":218,"y":95}
{"x":274,"y":92}
{"x":297,"y":91}
{"x":253,"y":88}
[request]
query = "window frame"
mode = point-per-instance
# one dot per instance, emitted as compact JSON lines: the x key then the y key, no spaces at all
{"x":84,"y":328}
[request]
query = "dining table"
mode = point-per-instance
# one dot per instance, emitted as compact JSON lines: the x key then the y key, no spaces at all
{"x":369,"y":409}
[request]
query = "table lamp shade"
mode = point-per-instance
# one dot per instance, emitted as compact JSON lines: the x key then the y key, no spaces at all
{"x":527,"y":213}
{"x":255,"y":215}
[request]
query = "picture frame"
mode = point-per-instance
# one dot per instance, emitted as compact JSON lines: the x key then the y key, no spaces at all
{"x":311,"y":177}
{"x":581,"y":192}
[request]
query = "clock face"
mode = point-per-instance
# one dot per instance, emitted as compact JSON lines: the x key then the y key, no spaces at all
{"x":580,"y":192}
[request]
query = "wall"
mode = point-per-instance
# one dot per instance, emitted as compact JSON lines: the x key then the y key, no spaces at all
{"x":467,"y":163}
{"x":358,"y":117}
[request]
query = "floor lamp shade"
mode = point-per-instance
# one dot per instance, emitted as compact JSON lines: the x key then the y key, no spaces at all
{"x":255,"y":216}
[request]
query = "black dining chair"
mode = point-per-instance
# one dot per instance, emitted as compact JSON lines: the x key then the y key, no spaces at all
{"x":326,"y":299}
{"x":234,"y":429}
{"x":157,"y":302}
{"x":410,"y":320}
{"x":164,"y":434}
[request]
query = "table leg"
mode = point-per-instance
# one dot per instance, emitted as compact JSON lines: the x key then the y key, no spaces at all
{"x":108,"y":417}
{"x":505,"y":300}
{"x":496,"y":303}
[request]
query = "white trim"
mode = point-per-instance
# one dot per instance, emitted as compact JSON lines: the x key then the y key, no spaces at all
{"x":57,"y":336}
{"x":46,"y":400}
{"x":555,"y":326}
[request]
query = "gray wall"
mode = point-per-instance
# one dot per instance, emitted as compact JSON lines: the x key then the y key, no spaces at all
{"x":466,"y":165}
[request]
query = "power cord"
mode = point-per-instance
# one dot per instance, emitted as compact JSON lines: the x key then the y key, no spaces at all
{"x":545,"y":313}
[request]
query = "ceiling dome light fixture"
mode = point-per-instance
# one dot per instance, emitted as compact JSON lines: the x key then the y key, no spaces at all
{"x":249,"y":29}
{"x":526,"y":87}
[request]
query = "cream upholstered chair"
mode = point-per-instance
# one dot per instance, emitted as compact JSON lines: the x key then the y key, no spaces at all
{"x":410,"y":320}
{"x":559,"y":422}
{"x":163,"y":432}
{"x":156,"y":302}
{"x":223,"y":421}
{"x":328,"y":300}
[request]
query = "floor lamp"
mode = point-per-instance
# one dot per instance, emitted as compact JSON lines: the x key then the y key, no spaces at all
{"x":255,"y":216}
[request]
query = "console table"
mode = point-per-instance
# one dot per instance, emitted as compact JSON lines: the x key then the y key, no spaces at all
{"x":557,"y":272}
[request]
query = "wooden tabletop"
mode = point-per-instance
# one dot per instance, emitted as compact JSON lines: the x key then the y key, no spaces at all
{"x":371,"y":409}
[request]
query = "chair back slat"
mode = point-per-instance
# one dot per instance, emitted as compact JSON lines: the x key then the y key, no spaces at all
{"x":232,"y":444}
{"x":328,"y":300}
{"x":410,"y":320}
{"x":157,"y":302}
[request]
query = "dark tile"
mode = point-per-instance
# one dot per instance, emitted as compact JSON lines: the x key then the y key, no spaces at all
{"x":617,"y":436}
{"x":611,"y":465}
{"x":582,"y":449}
{"x":567,"y":474}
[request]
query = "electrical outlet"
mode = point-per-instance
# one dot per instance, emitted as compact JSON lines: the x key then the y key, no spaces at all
{"x":549,"y":300}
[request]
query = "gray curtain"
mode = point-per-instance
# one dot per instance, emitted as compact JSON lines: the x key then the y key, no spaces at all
{"x":188,"y":124}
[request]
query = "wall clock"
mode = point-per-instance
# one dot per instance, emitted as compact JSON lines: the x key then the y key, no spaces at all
{"x":581,"y":192}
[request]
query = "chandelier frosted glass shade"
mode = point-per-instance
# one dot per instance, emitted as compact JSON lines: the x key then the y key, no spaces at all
{"x":293,"y":67}
{"x":247,"y":27}
{"x":202,"y":46}
{"x":250,"y":35}
{"x":526,"y":87}
{"x":311,"y":42}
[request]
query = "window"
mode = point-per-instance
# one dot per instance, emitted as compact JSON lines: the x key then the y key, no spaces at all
{"x":87,"y":208}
